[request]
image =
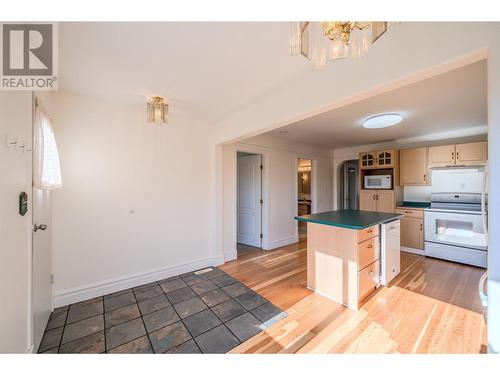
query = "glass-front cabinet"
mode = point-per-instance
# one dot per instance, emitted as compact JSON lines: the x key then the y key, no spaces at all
{"x":385,"y":159}
{"x":377,"y":159}
{"x":368,"y":160}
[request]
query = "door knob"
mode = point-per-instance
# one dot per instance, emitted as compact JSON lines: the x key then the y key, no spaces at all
{"x":39,"y":227}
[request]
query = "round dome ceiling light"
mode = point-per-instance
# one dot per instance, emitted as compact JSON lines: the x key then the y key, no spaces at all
{"x":382,"y":121}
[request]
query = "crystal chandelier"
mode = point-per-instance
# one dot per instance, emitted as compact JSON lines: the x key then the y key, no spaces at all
{"x":332,"y":40}
{"x":157,"y":110}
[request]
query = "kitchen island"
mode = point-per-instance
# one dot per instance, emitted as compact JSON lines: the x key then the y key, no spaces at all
{"x":344,"y":253}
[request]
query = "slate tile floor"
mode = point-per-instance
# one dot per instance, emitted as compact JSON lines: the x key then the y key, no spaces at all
{"x":197,"y":312}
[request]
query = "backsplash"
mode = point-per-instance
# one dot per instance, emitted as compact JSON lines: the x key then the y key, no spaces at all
{"x":417,"y":193}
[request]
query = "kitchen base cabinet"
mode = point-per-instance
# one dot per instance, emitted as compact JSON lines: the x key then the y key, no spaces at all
{"x":341,"y":267}
{"x":412,"y":228}
{"x":377,"y":200}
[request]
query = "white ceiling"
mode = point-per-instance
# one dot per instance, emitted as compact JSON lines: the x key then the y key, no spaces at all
{"x":454,"y":102}
{"x":207,"y":70}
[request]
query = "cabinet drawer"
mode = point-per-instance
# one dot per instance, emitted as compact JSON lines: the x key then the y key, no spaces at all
{"x":368,"y":279}
{"x":367,"y":233}
{"x":368,"y":252}
{"x":411,"y":213}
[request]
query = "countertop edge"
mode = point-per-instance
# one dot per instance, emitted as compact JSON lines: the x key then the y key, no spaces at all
{"x":355,"y":227}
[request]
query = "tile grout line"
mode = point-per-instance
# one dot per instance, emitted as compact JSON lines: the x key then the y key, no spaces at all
{"x":142,"y":319}
{"x":104,"y":324}
{"x":64,"y":328}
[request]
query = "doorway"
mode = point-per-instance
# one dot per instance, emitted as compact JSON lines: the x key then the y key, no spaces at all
{"x":304,"y":194}
{"x":249,"y":202}
{"x":349,"y":185}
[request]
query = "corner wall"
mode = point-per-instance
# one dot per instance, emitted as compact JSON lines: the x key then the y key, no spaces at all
{"x":279,"y":190}
{"x":134,"y":206}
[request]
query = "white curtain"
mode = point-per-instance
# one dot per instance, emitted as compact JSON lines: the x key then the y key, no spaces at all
{"x":46,"y":169}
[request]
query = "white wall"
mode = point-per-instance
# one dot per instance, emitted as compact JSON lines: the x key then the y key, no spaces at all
{"x":15,"y":230}
{"x":134,"y":206}
{"x":279,"y":190}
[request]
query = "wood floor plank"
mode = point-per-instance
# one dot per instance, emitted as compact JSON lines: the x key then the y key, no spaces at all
{"x":431,"y":307}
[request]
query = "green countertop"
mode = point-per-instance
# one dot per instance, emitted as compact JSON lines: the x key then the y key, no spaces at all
{"x":351,"y":219}
{"x":408,"y":204}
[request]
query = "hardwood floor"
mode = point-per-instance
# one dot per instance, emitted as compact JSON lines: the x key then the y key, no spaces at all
{"x":431,"y":307}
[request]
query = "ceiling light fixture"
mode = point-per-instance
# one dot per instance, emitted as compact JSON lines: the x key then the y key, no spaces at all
{"x":157,"y":110}
{"x":382,"y":121}
{"x":332,"y":40}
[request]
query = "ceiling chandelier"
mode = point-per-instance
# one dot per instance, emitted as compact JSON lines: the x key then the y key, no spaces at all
{"x":332,"y":40}
{"x":157,"y":110}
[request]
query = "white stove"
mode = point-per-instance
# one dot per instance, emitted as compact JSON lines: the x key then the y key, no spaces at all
{"x":456,"y":229}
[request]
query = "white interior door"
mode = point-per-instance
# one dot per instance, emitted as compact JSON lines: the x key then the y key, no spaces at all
{"x":41,"y":264}
{"x":249,"y":200}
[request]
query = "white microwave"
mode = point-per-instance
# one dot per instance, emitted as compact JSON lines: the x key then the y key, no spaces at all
{"x":383,"y":181}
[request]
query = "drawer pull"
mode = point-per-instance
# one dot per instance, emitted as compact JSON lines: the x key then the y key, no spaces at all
{"x":369,"y":231}
{"x":370,"y":246}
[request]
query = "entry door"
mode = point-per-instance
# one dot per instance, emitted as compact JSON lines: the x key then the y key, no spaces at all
{"x":41,"y":264}
{"x":249,"y":200}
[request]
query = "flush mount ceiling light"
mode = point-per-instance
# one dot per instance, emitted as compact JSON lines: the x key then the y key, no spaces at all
{"x":157,"y":110}
{"x":382,"y":121}
{"x":332,"y":40}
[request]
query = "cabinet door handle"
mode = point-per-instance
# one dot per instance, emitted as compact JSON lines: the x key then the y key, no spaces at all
{"x":453,"y":155}
{"x":425,"y":177}
{"x":421,"y":226}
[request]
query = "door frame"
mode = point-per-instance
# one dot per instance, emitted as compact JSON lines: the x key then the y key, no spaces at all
{"x":336,"y":188}
{"x":314,"y":187}
{"x":233,"y":253}
{"x":260,"y":205}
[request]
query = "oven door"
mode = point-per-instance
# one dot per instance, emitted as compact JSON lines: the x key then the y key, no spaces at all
{"x":464,"y":229}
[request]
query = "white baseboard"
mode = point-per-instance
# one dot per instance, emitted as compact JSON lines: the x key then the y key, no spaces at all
{"x":280,"y":243}
{"x":412,"y":250}
{"x":70,"y":296}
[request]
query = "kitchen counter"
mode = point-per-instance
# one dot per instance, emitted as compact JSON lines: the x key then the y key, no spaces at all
{"x":344,"y":253}
{"x":414,"y":205}
{"x":350,"y":219}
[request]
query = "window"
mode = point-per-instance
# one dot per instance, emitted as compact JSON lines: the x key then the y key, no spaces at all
{"x":46,"y":169}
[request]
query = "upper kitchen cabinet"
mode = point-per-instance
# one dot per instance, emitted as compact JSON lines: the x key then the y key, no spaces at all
{"x":462,"y":154}
{"x":471,"y":153}
{"x":442,"y":156}
{"x":377,"y":159}
{"x":385,"y":159}
{"x":413,"y":167}
{"x":367,"y":160}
